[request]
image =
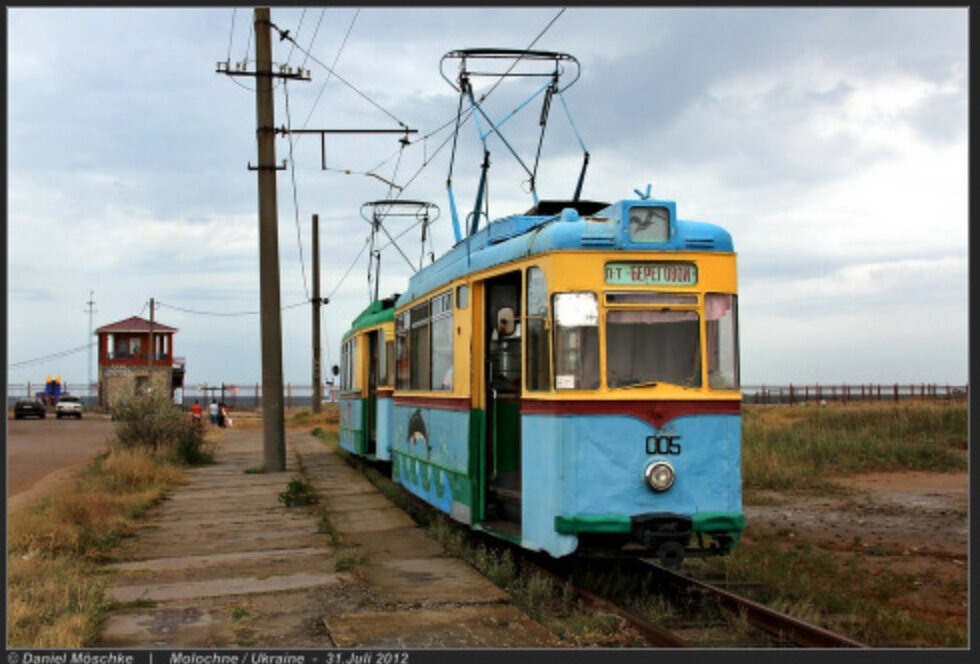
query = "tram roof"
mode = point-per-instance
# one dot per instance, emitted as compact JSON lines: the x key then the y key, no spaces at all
{"x":549,"y":227}
{"x":379,"y":311}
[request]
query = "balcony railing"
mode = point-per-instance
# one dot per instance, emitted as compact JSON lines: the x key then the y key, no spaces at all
{"x":139,"y":357}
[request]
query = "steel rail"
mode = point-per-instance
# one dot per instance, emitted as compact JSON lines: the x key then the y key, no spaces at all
{"x":656,"y":636}
{"x":780,"y":624}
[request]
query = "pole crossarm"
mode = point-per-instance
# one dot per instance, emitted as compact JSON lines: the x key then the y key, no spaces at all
{"x":285,"y":71}
{"x":323,"y":140}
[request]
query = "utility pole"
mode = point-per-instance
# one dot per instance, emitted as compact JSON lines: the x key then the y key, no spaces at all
{"x":150,"y":352}
{"x":90,"y":303}
{"x":317,"y":388}
{"x":273,"y":421}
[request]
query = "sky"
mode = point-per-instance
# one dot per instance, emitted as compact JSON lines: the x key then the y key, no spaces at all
{"x":830,"y":142}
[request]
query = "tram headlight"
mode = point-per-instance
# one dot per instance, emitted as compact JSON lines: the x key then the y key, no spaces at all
{"x":660,"y":476}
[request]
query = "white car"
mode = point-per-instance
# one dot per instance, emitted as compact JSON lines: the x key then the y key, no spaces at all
{"x":68,"y":406}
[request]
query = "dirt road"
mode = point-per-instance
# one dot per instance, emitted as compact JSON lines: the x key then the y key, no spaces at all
{"x":44,"y":453}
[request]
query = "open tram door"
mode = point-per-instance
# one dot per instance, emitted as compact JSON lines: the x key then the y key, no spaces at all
{"x":502,"y":379}
{"x":374,"y":353}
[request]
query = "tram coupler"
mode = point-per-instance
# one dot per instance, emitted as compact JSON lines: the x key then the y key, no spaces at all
{"x":665,"y":534}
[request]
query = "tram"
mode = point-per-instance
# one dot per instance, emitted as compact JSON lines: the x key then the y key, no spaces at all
{"x":566,"y":379}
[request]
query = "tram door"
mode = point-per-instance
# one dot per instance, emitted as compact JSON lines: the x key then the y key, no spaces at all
{"x":503,"y":380}
{"x":373,"y":379}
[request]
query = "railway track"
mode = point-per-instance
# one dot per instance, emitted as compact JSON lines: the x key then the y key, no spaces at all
{"x":782,"y":628}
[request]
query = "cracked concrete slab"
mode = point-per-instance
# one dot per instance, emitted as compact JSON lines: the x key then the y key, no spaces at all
{"x":224,"y":563}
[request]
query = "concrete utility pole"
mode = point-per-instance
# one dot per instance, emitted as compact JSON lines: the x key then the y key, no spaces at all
{"x":272,"y":393}
{"x":317,"y":388}
{"x":150,"y":352}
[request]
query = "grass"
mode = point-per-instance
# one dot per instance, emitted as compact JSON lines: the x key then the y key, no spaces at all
{"x":803,"y":448}
{"x":56,"y":595}
{"x":844,"y":593}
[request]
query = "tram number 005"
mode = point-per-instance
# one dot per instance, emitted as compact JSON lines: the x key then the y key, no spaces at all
{"x":663,"y":445}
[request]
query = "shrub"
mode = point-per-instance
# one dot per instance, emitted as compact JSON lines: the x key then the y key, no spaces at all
{"x":151,"y":421}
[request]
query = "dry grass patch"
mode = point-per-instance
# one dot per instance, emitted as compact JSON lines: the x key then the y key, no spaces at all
{"x":55,"y":589}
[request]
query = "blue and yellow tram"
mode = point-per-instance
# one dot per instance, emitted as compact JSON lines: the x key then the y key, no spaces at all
{"x":566,"y":379}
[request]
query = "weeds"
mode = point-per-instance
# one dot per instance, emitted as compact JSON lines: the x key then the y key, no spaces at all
{"x":347,"y":562}
{"x":804,"y":448}
{"x":298,"y":492}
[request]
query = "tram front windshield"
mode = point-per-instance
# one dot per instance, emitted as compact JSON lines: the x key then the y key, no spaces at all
{"x":646,"y":347}
{"x":660,"y":341}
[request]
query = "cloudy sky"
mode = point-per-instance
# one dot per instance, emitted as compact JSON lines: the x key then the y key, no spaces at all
{"x":831,"y":143}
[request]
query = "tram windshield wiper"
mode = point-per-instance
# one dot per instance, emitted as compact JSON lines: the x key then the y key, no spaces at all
{"x":649,"y":383}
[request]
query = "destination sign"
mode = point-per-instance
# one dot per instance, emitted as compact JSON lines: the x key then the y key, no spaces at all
{"x":651,"y":274}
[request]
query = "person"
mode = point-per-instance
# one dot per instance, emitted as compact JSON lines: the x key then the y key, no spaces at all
{"x":225,"y":419}
{"x":196,"y":412}
{"x":221,"y":414}
{"x":213,"y":412}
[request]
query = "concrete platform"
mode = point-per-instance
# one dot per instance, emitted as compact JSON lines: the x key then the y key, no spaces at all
{"x":223,"y":563}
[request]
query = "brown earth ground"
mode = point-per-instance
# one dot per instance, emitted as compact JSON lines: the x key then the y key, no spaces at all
{"x":915,"y":524}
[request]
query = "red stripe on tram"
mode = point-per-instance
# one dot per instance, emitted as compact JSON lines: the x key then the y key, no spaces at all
{"x":656,"y":413}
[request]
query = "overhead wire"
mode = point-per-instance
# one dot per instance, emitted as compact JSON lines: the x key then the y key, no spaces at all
{"x":48,"y":358}
{"x":343,"y":44}
{"x":316,"y":31}
{"x":226,"y":314}
{"x":353,"y":263}
{"x":285,"y":35}
{"x":299,"y":29}
{"x":292,"y":173}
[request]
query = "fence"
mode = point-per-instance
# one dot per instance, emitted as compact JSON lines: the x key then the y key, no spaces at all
{"x":792,"y":394}
{"x":246,"y":397}
{"x":238,"y":397}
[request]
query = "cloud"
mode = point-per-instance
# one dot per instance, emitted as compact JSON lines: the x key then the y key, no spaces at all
{"x":830,"y":142}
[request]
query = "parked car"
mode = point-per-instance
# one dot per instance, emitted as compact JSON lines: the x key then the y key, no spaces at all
{"x":29,"y":408}
{"x":68,"y":406}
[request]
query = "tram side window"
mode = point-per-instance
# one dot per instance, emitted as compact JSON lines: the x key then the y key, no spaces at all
{"x":343,"y":366}
{"x":348,"y":377}
{"x":402,"y":374}
{"x":382,"y":359}
{"x":442,"y":342}
{"x":538,"y":362}
{"x":645,"y":347}
{"x":389,"y":362}
{"x":721,"y":326}
{"x":576,"y":341}
{"x":419,"y":348}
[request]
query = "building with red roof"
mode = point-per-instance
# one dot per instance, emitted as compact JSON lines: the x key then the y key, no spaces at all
{"x":136,"y":354}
